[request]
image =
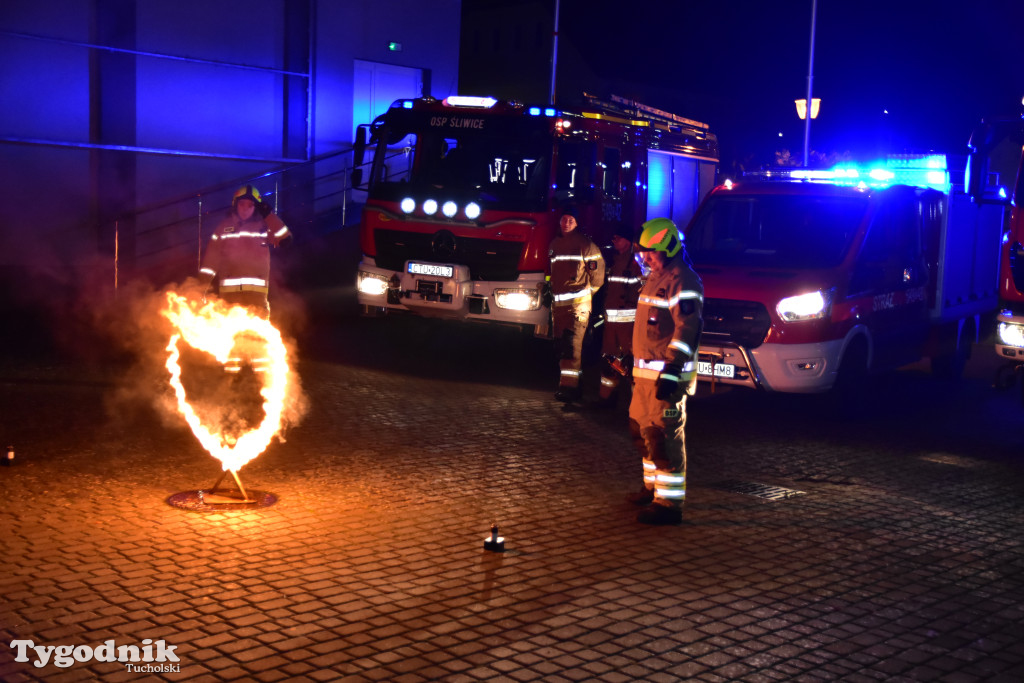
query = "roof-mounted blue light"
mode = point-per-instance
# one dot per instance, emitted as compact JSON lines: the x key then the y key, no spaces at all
{"x":406,"y":104}
{"x":919,"y":170}
{"x":534,"y":111}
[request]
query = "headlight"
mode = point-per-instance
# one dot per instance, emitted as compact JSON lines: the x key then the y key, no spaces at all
{"x":408,"y":205}
{"x":371,"y":283}
{"x":449,"y":209}
{"x":472,"y":211}
{"x":1011,"y":334}
{"x":812,"y":306}
{"x":517,"y":299}
{"x":430,"y":207}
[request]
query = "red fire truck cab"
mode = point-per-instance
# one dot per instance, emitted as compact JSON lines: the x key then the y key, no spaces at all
{"x":464,"y":197}
{"x":818,"y":277}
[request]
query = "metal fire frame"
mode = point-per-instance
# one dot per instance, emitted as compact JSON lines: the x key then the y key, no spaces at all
{"x":213,"y":498}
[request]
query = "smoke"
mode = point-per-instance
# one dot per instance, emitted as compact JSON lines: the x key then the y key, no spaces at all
{"x":138,"y":333}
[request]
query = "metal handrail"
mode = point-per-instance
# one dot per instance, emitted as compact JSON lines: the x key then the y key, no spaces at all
{"x":325,"y":194}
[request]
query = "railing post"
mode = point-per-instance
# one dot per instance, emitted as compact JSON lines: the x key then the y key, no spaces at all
{"x":344,"y":196}
{"x":199,"y":236}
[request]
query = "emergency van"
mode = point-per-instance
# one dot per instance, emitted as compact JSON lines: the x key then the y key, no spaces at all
{"x":464,"y":195}
{"x":1009,"y":342}
{"x":814,"y":278}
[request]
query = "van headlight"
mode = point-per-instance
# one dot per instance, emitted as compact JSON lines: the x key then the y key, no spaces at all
{"x":1011,"y":334}
{"x":517,"y":299}
{"x":371,"y":283}
{"x":811,"y":306}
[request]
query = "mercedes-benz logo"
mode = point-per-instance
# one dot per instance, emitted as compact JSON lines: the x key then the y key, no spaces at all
{"x":443,"y":244}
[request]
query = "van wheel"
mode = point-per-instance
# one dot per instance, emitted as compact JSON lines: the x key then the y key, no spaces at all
{"x":951,"y":365}
{"x":851,"y":387}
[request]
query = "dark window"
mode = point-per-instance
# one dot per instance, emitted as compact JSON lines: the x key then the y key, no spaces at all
{"x":775,"y":231}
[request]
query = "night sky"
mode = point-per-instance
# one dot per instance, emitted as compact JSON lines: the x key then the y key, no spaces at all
{"x":893,"y":75}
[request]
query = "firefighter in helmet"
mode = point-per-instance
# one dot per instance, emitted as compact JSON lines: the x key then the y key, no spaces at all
{"x":622,"y":288}
{"x":577,"y":272}
{"x":238,"y":254}
{"x":666,"y":336}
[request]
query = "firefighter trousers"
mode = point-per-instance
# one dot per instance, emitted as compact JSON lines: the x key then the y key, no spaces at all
{"x":569,"y":324}
{"x":657,"y":431}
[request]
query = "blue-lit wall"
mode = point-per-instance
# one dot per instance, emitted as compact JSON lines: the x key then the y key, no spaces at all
{"x":111,"y":105}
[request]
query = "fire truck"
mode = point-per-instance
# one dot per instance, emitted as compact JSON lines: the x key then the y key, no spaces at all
{"x":464,"y":196}
{"x":815,"y":278}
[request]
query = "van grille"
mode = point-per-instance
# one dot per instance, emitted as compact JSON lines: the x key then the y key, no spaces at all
{"x":739,"y":322}
{"x":487,"y":259}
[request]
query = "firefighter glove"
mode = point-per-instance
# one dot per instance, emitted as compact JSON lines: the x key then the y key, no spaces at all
{"x":668,"y":382}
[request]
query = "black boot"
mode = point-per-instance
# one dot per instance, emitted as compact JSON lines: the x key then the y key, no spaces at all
{"x":660,"y":515}
{"x":644,"y":496}
{"x":568,"y":394}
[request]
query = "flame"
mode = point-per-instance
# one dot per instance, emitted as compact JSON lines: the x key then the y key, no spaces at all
{"x":224,"y":332}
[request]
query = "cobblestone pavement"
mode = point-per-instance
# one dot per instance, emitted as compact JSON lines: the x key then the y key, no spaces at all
{"x":896,"y":556}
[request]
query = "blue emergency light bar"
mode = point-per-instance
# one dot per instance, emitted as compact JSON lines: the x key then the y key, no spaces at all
{"x":537,"y":111}
{"x":918,"y":170}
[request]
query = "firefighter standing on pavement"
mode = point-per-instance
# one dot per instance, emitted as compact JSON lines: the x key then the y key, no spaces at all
{"x":621,"y":292}
{"x":666,"y":336}
{"x":577,"y":272}
{"x":238,"y":253}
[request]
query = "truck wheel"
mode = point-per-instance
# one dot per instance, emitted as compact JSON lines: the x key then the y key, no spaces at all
{"x":951,"y":365}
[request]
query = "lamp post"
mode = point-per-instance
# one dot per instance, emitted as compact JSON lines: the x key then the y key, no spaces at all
{"x":554,"y":52}
{"x":810,"y":83}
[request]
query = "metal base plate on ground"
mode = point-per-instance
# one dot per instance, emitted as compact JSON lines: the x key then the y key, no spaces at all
{"x":200,"y":501}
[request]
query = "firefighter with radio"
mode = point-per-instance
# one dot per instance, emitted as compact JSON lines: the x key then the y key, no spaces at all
{"x":666,"y":336}
{"x":238,"y":254}
{"x":577,"y":272}
{"x":622,"y":289}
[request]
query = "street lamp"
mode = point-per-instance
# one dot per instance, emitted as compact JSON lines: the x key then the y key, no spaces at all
{"x":810,"y":82}
{"x":801,"y":108}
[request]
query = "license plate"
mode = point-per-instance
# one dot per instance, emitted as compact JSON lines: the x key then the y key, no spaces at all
{"x":721,"y":369}
{"x":431,"y":269}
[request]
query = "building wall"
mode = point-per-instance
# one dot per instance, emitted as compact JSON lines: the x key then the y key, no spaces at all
{"x":113,"y":105}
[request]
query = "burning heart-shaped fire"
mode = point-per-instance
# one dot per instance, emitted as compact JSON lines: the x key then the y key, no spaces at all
{"x":229,"y":333}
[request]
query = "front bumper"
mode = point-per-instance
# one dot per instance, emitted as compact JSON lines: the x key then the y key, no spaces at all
{"x":788,"y":368}
{"x":457,"y":297}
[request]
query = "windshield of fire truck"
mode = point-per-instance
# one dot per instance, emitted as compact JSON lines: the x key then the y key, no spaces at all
{"x":499,"y":171}
{"x":774,"y":231}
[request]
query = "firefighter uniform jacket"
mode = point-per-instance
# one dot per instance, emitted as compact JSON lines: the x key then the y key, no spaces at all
{"x":668,"y":321}
{"x":623,"y":289}
{"x":239,"y":254}
{"x":577,"y":268}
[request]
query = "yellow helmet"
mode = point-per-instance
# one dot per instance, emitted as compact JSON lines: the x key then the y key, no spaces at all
{"x":660,"y":234}
{"x":247,"y":192}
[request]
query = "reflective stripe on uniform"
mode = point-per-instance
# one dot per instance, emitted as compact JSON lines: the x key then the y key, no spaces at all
{"x":281,"y":232}
{"x":572,"y":296}
{"x":669,"y":485}
{"x":244,"y":233}
{"x":208,"y":271}
{"x":575,"y":257}
{"x":669,"y":303}
{"x":623,"y":279}
{"x":621,"y":315}
{"x":649,"y":471}
{"x":653,"y":369}
{"x":243,"y":284}
{"x":682,"y":346}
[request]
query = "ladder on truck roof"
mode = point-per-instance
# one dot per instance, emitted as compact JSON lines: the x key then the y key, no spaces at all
{"x":623,"y":106}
